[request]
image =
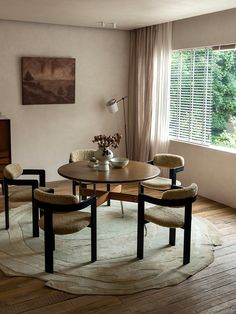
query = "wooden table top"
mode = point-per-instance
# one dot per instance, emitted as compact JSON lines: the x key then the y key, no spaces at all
{"x":135,"y":171}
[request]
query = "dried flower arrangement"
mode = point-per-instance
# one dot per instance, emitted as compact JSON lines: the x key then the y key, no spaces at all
{"x":105,"y":142}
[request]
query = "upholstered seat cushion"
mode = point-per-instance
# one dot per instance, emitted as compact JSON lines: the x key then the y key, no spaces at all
{"x":68,"y":222}
{"x":171,"y":217}
{"x":159,"y":183}
{"x":165,"y":216}
{"x":24,"y":194}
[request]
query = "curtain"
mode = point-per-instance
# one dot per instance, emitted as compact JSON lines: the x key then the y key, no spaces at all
{"x":149,"y":80}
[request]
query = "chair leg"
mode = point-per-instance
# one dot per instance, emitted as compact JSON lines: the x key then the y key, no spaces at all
{"x":6,"y":199}
{"x":172,"y":236}
{"x":93,"y":244}
{"x":48,"y":255}
{"x":187,"y":234}
{"x":187,"y":244}
{"x":74,"y":187}
{"x":140,"y":235}
{"x":140,"y":244}
{"x":93,"y":234}
{"x":35,"y":219}
{"x":49,"y":242}
{"x":84,"y":185}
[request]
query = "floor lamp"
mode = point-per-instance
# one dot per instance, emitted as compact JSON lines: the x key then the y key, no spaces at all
{"x":112,"y":107}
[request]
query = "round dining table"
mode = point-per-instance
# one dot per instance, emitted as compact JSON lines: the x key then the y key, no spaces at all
{"x":135,"y":171}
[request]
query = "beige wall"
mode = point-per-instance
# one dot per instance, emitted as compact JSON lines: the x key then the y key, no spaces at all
{"x":43,"y":135}
{"x":213,"y":170}
{"x":205,"y":30}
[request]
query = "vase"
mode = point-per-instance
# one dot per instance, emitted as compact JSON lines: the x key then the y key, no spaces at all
{"x":103,"y":156}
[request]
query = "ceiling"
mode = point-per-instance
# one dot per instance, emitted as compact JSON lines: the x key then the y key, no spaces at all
{"x":126,"y":14}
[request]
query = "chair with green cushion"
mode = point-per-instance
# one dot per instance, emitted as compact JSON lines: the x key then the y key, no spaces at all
{"x":15,"y":175}
{"x":62,"y":215}
{"x":174,"y":163}
{"x":173,"y":210}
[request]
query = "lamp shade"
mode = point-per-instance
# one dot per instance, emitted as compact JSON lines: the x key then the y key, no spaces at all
{"x":112,"y":106}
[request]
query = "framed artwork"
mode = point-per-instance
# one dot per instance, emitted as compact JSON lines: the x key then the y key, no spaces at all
{"x":48,"y":80}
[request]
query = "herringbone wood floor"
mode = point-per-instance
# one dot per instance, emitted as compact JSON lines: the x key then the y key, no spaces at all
{"x":212,"y":290}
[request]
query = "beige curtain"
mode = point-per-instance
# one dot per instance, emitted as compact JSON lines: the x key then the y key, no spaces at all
{"x":149,"y":76}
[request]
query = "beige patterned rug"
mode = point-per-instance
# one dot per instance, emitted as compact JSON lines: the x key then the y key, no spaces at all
{"x":117,"y":270}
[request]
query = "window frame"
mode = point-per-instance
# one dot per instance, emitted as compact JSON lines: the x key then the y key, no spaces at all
{"x":209,"y":144}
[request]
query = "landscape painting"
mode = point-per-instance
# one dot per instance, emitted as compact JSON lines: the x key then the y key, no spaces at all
{"x":48,"y":80}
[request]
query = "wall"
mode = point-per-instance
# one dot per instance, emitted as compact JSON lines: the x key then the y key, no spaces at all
{"x":205,"y":30}
{"x":213,"y":170}
{"x":43,"y":135}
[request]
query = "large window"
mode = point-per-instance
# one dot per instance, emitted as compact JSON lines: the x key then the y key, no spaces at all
{"x":203,"y":96}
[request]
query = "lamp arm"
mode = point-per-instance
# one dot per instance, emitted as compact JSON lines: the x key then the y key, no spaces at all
{"x":123,"y":98}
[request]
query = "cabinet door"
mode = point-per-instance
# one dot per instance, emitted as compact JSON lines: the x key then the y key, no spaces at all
{"x":5,"y":144}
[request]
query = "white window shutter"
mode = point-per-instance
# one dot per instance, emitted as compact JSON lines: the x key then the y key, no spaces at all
{"x":191,"y":95}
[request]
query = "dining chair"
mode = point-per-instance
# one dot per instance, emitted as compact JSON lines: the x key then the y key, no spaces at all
{"x":80,"y":155}
{"x":15,"y":175}
{"x":62,"y":214}
{"x":171,"y":162}
{"x":173,"y":210}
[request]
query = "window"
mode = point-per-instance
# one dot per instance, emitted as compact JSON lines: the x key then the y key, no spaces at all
{"x":203,"y":96}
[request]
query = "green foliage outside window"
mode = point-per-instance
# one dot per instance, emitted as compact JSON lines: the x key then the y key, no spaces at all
{"x":224,"y":98}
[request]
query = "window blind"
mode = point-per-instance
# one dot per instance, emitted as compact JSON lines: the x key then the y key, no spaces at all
{"x":191,"y":95}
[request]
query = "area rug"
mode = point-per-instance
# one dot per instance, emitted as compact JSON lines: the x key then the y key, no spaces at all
{"x":117,"y":270}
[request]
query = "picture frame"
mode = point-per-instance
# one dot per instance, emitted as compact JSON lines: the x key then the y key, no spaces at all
{"x":47,"y":80}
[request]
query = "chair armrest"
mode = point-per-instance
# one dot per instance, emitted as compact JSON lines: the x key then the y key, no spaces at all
{"x":40,"y":172}
{"x":172,"y":174}
{"x":178,"y":169}
{"x":33,"y":182}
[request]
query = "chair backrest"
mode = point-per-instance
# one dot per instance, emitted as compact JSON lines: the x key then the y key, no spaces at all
{"x":168,"y":161}
{"x":12,"y":171}
{"x":182,"y":194}
{"x":56,"y":199}
{"x":61,"y":202}
{"x":81,"y":154}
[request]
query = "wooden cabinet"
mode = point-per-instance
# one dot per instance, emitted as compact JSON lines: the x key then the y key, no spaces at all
{"x":5,"y":144}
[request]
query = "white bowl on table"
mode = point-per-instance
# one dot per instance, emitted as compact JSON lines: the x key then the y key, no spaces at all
{"x":119,"y":162}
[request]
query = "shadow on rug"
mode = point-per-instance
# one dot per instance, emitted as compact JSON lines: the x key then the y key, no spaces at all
{"x":117,"y":270}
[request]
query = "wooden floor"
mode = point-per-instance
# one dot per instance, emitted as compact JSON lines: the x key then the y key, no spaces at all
{"x":212,"y":290}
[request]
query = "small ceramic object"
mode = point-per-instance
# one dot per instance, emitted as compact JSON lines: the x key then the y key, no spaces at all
{"x":119,"y":162}
{"x":93,"y":162}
